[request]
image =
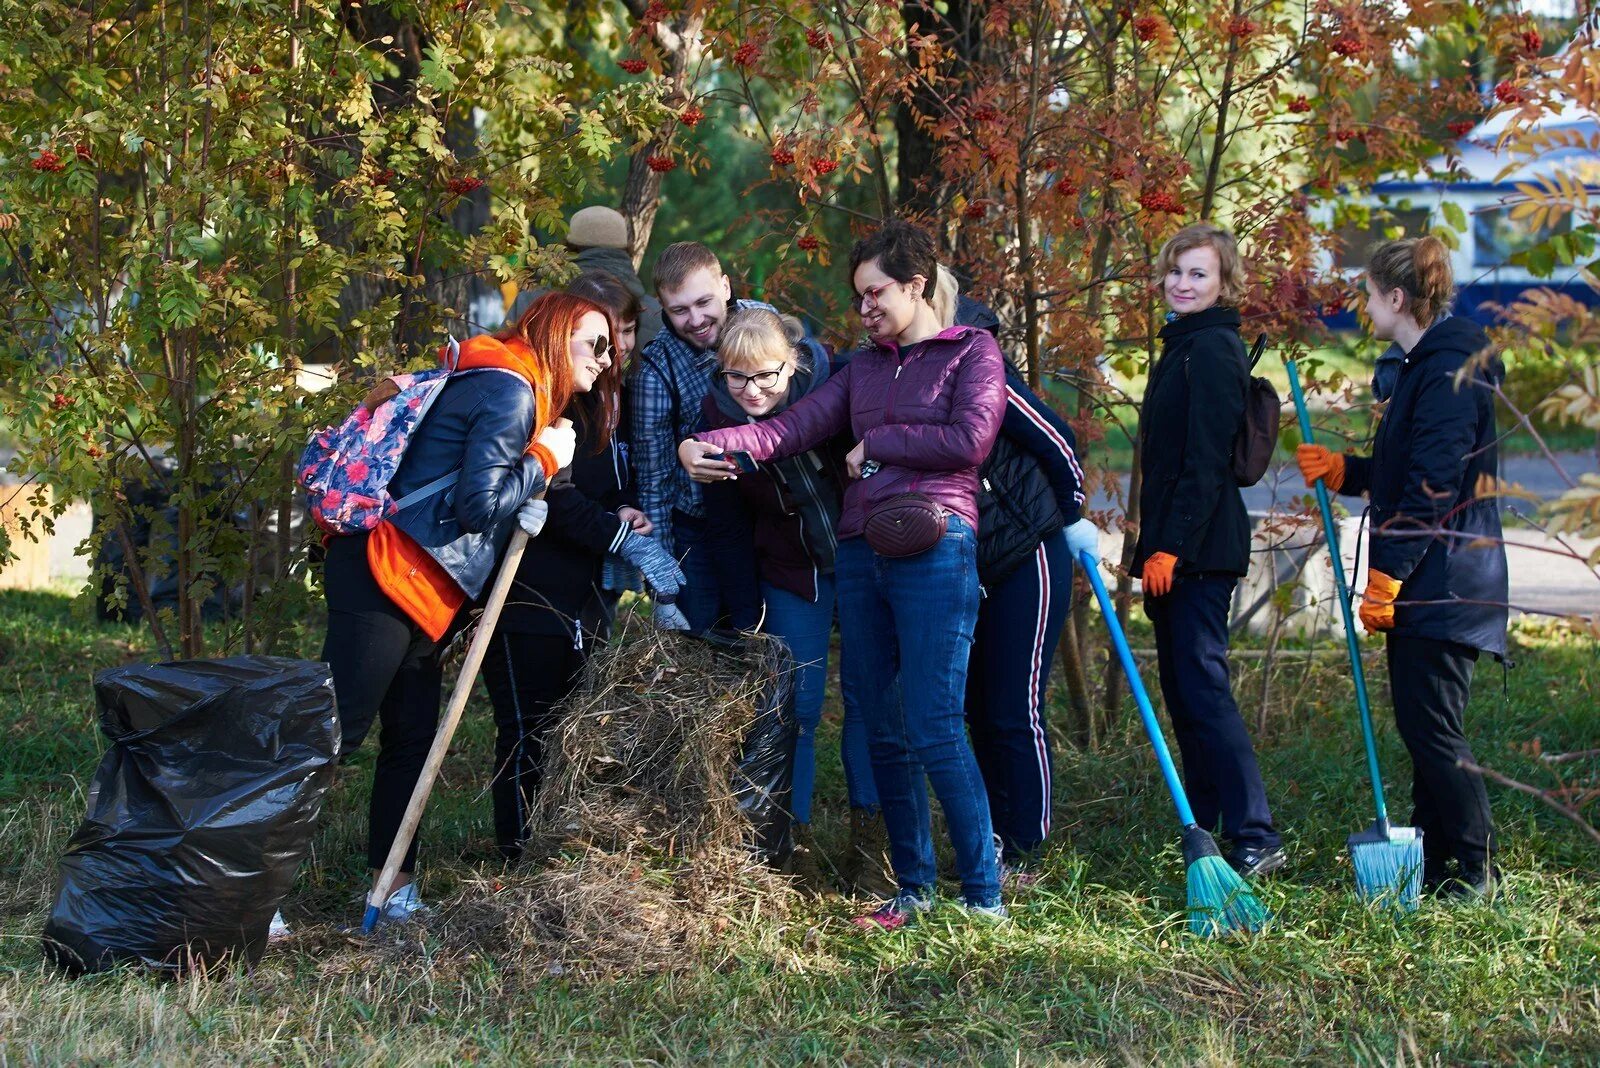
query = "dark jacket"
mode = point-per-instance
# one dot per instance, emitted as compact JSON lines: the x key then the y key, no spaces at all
{"x":1031,"y":486}
{"x":788,"y":511}
{"x":1429,"y":527}
{"x":1189,"y":504}
{"x":928,"y":415}
{"x":480,"y":425}
{"x":558,"y":588}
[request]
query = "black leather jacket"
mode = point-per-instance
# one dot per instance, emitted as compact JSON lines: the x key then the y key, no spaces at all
{"x":480,"y":425}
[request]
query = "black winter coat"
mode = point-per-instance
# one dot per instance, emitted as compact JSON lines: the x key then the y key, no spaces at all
{"x":1189,"y":504}
{"x":479,"y":425}
{"x":1429,"y":528}
{"x":1031,"y":486}
{"x":558,"y":583}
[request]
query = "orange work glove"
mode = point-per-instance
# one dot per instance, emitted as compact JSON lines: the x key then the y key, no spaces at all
{"x":1377,"y":603}
{"x":1317,"y":462}
{"x":1158,"y":574}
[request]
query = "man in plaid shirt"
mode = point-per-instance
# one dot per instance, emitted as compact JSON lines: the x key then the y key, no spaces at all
{"x":671,"y":379}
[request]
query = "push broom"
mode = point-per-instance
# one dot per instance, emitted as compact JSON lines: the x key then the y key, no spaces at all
{"x":1387,"y":859}
{"x":1220,"y":901}
{"x":447,"y":728}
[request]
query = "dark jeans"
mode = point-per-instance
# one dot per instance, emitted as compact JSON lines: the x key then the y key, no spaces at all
{"x":700,"y":600}
{"x":1219,"y":763}
{"x":382,"y":665}
{"x":528,"y":675}
{"x":913,"y":617}
{"x":1430,"y":681}
{"x":1019,"y":625}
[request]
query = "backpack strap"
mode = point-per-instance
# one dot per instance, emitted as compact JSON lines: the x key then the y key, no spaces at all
{"x":443,"y":482}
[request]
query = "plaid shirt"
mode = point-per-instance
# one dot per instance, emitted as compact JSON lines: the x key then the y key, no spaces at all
{"x":669,"y":385}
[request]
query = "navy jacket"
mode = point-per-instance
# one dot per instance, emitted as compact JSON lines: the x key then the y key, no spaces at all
{"x":558,"y":589}
{"x":480,"y":425}
{"x":1189,"y":504}
{"x":1429,"y":527}
{"x":1031,"y":486}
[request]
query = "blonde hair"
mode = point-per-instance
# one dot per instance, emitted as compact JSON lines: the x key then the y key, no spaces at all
{"x":1230,"y":265}
{"x":945,"y":291}
{"x":755,"y":337}
{"x":1420,"y":266}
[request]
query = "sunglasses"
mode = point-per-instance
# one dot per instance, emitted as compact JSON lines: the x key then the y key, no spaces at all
{"x":736,"y":381}
{"x":599,"y":345}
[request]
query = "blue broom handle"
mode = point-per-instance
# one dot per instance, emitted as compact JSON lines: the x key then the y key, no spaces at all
{"x":1331,"y":532}
{"x":1180,"y":800}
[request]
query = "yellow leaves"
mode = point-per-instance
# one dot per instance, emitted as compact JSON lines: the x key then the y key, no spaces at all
{"x":1549,"y":199}
{"x":1576,"y":402}
{"x":1577,"y":511}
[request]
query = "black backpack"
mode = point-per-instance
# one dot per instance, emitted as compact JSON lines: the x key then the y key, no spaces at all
{"x":1257,"y":438}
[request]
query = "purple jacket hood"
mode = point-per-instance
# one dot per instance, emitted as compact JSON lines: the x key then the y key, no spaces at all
{"x":928,"y":414}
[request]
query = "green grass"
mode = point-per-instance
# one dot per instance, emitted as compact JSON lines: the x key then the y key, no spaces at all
{"x":1096,"y":968}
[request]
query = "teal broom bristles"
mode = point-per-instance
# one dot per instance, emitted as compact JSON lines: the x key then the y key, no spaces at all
{"x":1388,"y":863}
{"x":1219,"y":900}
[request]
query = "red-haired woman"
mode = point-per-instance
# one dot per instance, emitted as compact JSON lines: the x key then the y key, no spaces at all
{"x":394,"y":593}
{"x":560,"y":605}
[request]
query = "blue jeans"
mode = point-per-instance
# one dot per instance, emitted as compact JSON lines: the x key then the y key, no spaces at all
{"x":806,"y":626}
{"x":699,"y":600}
{"x":913,"y":617}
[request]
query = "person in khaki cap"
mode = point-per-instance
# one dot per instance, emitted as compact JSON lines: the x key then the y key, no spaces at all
{"x":598,"y":237}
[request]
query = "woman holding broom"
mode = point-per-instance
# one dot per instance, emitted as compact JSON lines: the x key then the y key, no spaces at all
{"x":1194,"y":536}
{"x":924,"y":405}
{"x":1436,"y":581}
{"x":394,"y":593}
{"x":560,"y":605}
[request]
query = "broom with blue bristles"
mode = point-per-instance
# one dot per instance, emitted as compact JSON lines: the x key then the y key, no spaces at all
{"x":1219,"y":900}
{"x":1387,"y":859}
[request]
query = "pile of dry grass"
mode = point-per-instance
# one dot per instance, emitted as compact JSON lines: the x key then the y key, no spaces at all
{"x":641,"y":852}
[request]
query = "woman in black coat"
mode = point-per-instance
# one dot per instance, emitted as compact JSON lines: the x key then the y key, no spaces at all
{"x":1437,"y":583}
{"x":559,"y":606}
{"x":1194,"y":537}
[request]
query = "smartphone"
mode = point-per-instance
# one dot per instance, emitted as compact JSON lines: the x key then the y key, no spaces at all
{"x":742,"y":460}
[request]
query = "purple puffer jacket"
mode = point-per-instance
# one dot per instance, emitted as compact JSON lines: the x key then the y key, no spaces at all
{"x":928,"y":415}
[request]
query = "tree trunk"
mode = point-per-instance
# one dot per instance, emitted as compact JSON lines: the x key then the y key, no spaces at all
{"x":682,"y":43}
{"x":922,"y":184}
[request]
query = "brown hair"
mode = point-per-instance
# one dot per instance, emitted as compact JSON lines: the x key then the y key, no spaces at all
{"x":547,"y":328}
{"x":1419,"y":266}
{"x":1229,"y":263}
{"x":752,"y":336}
{"x":678,"y":261}
{"x":602,"y":404}
{"x":903,"y":251}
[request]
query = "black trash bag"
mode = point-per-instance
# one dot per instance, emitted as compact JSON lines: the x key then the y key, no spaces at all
{"x":765,"y":778}
{"x":200,"y":812}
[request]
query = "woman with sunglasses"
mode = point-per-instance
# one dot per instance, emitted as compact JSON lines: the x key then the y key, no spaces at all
{"x":924,"y":405}
{"x":559,"y":606}
{"x":394,"y":593}
{"x":774,"y":541}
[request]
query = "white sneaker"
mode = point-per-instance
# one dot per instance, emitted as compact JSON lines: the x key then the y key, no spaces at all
{"x":278,"y":929}
{"x":404,"y":904}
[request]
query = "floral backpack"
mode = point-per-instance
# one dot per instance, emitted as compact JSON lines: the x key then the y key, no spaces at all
{"x":346,"y":469}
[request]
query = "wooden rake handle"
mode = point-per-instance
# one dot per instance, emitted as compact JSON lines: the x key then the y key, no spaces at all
{"x":447,"y":729}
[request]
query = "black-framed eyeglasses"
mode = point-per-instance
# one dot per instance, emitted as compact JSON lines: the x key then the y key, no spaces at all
{"x":736,"y":381}
{"x":599,"y":345}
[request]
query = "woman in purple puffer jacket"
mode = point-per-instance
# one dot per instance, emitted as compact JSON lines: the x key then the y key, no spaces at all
{"x":924,"y":405}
